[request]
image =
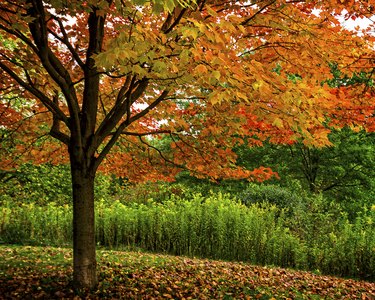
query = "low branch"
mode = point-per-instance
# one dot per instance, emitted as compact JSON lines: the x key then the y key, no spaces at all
{"x":97,"y":161}
{"x":62,"y":137}
{"x":55,"y":129}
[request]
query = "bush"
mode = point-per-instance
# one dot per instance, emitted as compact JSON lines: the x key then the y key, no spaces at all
{"x":280,"y":196}
{"x":158,"y":192}
{"x":46,"y":183}
{"x":38,"y":184}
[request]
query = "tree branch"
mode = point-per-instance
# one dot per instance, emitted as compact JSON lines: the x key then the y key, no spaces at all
{"x":150,"y":107}
{"x":147,"y":133}
{"x":51,"y":63}
{"x":90,"y":103}
{"x":52,"y":107}
{"x":19,"y":35}
{"x":258,"y":12}
{"x":65,"y":40}
{"x":161,"y":154}
{"x":55,"y":129}
{"x":120,"y":129}
{"x":166,"y":28}
{"x":125,"y":98}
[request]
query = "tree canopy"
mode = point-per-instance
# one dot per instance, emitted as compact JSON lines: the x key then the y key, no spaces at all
{"x":188,"y":69}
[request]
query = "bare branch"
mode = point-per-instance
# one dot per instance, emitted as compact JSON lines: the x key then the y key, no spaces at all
{"x":116,"y":113}
{"x":96,"y":162}
{"x":120,"y":129}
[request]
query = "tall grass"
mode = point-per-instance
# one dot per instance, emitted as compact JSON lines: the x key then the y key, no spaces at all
{"x":37,"y":225}
{"x":216,"y":226}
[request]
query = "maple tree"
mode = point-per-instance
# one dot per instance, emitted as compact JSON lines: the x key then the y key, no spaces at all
{"x":101,"y":76}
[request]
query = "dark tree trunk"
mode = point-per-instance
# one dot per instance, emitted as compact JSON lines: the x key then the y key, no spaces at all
{"x":84,"y":256}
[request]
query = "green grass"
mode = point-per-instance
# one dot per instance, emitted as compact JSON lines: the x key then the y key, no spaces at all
{"x":45,"y":272}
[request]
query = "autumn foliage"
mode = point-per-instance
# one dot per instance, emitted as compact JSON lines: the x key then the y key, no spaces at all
{"x":220,"y":73}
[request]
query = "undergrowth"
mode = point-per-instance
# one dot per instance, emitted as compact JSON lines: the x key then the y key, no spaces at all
{"x":320,"y":238}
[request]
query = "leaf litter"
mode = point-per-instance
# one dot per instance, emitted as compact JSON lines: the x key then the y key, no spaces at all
{"x":46,"y":273}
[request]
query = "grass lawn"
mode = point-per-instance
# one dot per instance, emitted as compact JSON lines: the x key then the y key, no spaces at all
{"x":45,"y":273}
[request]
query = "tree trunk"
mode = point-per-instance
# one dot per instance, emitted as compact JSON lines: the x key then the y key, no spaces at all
{"x":84,"y":256}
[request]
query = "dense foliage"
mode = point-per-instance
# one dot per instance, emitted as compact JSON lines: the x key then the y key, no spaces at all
{"x":45,"y":184}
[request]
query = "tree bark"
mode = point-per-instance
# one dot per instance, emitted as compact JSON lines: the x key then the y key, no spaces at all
{"x":84,"y":248}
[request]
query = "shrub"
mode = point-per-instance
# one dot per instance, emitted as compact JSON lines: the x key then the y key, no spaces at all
{"x":280,"y":196}
{"x":46,"y":183}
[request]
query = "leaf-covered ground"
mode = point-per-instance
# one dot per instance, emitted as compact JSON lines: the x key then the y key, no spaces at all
{"x":45,"y":273}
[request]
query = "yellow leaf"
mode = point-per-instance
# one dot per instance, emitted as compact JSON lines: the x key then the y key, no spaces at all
{"x":278,"y":123}
{"x":256,"y":85}
{"x":216,"y":74}
{"x":202,"y":69}
{"x":190,"y":32}
{"x":211,"y":11}
{"x":241,"y":96}
{"x":174,"y":68}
